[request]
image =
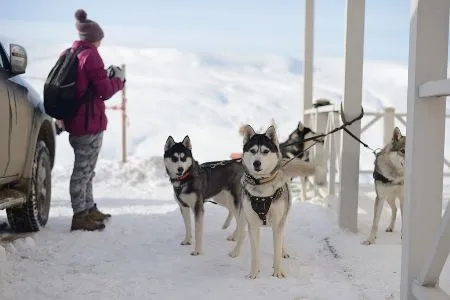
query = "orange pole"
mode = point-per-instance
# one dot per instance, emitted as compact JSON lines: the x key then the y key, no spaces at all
{"x":124,"y":121}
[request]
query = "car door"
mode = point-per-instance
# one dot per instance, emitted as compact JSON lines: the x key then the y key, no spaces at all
{"x":20,"y":127}
{"x":20,"y":121}
{"x":4,"y":123}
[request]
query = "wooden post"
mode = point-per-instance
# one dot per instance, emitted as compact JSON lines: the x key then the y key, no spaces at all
{"x":308,"y":60}
{"x":332,"y":156}
{"x":353,"y":73}
{"x":124,"y":121}
{"x":428,"y":51}
{"x":388,"y":124}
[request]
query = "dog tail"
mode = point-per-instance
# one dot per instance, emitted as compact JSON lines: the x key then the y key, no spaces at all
{"x":242,"y":129}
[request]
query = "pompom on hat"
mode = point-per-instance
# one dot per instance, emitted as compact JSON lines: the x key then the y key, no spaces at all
{"x":88,"y":30}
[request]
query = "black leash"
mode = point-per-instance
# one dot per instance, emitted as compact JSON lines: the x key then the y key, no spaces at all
{"x":318,"y":138}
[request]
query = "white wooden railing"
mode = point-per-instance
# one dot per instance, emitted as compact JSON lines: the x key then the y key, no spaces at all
{"x":426,"y":233}
{"x":325,"y":118}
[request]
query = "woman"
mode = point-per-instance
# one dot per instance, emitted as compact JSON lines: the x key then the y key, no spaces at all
{"x":86,"y":127}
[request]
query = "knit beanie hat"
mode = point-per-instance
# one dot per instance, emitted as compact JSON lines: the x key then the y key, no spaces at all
{"x":88,"y":30}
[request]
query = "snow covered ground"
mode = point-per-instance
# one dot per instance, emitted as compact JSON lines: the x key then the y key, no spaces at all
{"x":138,"y":256}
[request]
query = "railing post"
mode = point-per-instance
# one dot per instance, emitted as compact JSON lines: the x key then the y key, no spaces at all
{"x":389,"y":124}
{"x":353,"y":73}
{"x":428,"y":60}
{"x":331,"y":148}
{"x":308,"y":59}
{"x":319,"y":150}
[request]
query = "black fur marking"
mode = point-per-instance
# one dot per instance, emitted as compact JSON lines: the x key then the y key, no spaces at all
{"x":259,"y":139}
{"x":209,"y":179}
{"x":177,"y":148}
{"x":299,"y":149}
{"x":261,"y":205}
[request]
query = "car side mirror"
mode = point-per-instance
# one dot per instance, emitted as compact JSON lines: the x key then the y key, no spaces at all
{"x":18,"y":59}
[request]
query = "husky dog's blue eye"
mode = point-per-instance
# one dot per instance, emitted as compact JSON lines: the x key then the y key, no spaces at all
{"x":174,"y":159}
{"x":252,"y":151}
{"x":183,"y":159}
{"x":402,"y":151}
{"x":265,"y":151}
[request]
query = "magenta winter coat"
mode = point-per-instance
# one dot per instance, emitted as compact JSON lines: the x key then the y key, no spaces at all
{"x":91,"y":69}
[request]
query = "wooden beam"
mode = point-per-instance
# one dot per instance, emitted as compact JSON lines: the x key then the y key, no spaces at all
{"x":353,"y":73}
{"x":440,"y":248}
{"x":308,"y":59}
{"x":427,"y":293}
{"x":435,"y":88}
{"x":423,"y":177}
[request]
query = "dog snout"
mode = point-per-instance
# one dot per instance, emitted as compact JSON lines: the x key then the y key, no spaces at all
{"x":180,"y":170}
{"x":257,"y":164}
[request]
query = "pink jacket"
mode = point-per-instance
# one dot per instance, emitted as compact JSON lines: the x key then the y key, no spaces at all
{"x":91,"y":70}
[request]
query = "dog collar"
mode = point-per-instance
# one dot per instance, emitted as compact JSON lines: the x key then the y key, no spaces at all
{"x":258,"y":181}
{"x":181,"y":178}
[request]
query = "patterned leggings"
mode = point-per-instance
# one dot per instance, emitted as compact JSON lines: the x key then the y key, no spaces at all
{"x":86,"y":149}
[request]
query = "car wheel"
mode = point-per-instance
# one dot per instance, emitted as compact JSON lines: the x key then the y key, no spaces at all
{"x":33,"y":214}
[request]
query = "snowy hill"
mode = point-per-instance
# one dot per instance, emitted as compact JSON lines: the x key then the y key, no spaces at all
{"x":208,"y":96}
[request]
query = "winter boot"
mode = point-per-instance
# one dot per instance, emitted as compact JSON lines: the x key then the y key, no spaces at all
{"x":96,"y":215}
{"x":83,"y":221}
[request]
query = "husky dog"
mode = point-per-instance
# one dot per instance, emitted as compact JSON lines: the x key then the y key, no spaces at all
{"x":266,"y":197}
{"x":388,"y":177}
{"x":194,"y":184}
{"x":295,"y":147}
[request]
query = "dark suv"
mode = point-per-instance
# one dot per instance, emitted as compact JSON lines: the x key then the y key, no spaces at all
{"x":27,"y":146}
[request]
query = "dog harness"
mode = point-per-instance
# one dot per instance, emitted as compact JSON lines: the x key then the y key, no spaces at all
{"x":380,"y":177}
{"x":261,"y":205}
{"x":182,"y":180}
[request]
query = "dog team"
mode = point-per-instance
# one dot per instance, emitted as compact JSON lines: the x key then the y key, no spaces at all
{"x":255,"y":188}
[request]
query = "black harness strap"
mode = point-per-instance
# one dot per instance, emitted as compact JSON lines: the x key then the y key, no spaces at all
{"x":177,"y":189}
{"x":380,"y":177}
{"x":261,"y":205}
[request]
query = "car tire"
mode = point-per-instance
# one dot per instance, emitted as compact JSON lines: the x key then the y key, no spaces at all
{"x":33,"y":214}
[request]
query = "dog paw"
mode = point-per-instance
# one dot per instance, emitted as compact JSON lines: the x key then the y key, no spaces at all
{"x":185,"y":242}
{"x":279,"y":274}
{"x":369,"y":242}
{"x":253,"y":275}
{"x":196,"y":253}
{"x":231,"y":238}
{"x":233,"y":253}
{"x":389,"y":229}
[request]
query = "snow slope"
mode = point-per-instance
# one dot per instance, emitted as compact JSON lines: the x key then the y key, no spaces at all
{"x":138,"y":256}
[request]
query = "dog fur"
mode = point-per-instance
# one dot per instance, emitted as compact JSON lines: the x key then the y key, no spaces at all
{"x":194,"y":184}
{"x":295,"y":147}
{"x":262,"y":160}
{"x":389,"y":181}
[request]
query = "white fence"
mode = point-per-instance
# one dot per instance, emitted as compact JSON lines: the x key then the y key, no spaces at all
{"x":325,"y":118}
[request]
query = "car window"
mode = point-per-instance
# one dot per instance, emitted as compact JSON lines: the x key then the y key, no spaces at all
{"x":3,"y":57}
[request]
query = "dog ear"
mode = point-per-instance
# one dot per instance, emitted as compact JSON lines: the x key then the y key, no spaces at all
{"x":271,"y":133}
{"x":300,"y":126}
{"x":247,"y":132}
{"x":187,"y":142}
{"x":169,"y":143}
{"x":396,"y":135}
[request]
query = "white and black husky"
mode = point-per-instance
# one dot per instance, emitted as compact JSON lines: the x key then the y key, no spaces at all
{"x":266,"y":198}
{"x":296,"y":146}
{"x":389,"y":181}
{"x":195,"y":184}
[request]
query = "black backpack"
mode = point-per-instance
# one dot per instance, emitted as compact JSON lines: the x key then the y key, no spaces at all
{"x":60,"y":93}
